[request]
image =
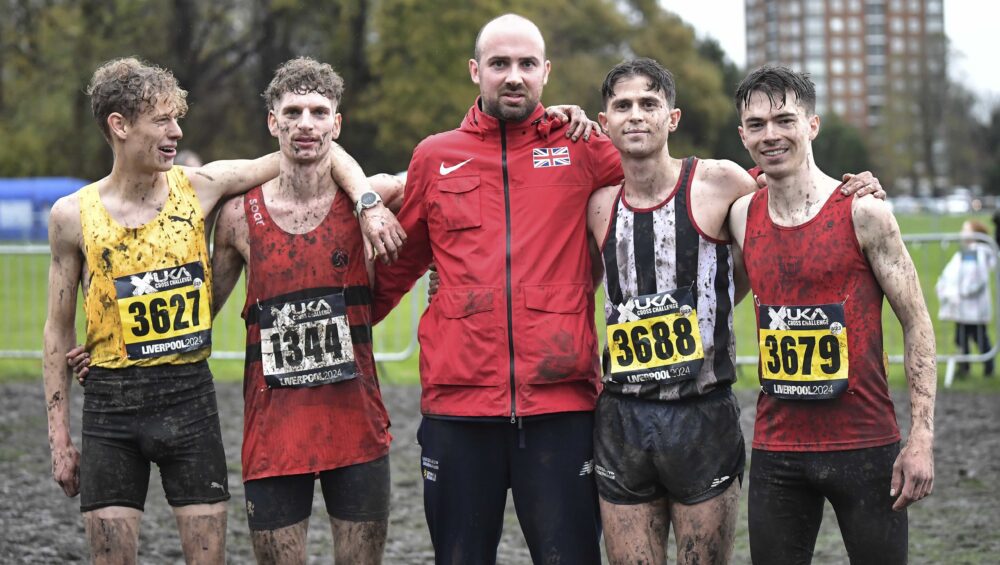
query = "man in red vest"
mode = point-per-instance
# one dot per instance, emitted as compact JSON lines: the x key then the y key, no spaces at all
{"x":312,"y":402}
{"x":819,"y":266}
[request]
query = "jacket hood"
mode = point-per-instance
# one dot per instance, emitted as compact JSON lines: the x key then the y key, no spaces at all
{"x":482,"y":124}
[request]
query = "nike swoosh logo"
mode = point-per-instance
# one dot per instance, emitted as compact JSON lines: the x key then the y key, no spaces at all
{"x":453,"y":168}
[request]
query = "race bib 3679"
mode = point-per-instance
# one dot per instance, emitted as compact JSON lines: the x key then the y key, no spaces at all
{"x":803,"y":351}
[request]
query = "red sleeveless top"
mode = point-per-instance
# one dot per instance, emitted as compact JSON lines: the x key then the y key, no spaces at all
{"x":311,"y":394}
{"x":816,"y":266}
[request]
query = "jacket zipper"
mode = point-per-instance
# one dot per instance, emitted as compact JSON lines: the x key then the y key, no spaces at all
{"x":510,"y":312}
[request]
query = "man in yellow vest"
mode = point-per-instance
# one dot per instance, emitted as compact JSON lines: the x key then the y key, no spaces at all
{"x":135,"y":240}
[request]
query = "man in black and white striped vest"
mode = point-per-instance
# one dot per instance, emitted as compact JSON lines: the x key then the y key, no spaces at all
{"x":668,"y":446}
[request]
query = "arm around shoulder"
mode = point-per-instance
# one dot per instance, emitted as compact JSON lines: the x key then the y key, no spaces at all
{"x":220,"y":179}
{"x":394,"y":280}
{"x":383,"y":234}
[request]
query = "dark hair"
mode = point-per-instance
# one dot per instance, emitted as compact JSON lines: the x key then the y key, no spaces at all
{"x":130,"y":87}
{"x":660,"y":79}
{"x":775,"y":82}
{"x":303,"y":75}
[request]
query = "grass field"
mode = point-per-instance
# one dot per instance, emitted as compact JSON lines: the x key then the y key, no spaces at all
{"x":23,"y":306}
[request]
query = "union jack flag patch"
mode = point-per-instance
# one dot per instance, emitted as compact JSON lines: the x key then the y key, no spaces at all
{"x":550,"y":157}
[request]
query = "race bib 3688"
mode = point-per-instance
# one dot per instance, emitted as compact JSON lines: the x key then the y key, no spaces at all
{"x":655,"y":338}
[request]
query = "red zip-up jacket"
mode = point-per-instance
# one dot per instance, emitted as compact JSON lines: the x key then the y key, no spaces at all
{"x":501,"y":209}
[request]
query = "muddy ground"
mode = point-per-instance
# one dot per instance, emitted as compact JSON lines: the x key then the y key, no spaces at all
{"x":38,"y":524}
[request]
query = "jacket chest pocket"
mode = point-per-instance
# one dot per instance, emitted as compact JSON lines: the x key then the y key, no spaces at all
{"x":456,"y":204}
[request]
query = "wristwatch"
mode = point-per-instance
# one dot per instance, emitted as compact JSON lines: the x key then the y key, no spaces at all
{"x":368,"y":200}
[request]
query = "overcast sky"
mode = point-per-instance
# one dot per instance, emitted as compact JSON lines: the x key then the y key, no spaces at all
{"x":971,"y":26}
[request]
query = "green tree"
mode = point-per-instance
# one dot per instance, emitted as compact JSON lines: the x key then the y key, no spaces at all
{"x":420,"y":76}
{"x":727,"y":140}
{"x":839,"y":148}
{"x":583,"y":40}
{"x":966,"y":138}
{"x":404,"y":63}
{"x":705,"y":107}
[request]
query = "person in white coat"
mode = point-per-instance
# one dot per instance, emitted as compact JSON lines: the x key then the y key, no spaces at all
{"x":963,"y":290}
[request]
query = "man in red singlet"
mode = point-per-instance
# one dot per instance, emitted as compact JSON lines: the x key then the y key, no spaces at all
{"x":819,"y":266}
{"x":312,"y":403}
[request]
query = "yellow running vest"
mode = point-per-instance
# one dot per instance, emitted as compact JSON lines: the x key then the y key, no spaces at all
{"x":150,"y":296}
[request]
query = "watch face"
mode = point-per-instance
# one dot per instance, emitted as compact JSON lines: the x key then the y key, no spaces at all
{"x":369,"y":199}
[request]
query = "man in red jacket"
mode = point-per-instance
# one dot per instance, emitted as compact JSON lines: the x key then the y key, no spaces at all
{"x":508,"y":360}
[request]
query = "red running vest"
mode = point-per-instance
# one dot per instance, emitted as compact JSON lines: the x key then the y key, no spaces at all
{"x":821,"y":262}
{"x":308,"y":429}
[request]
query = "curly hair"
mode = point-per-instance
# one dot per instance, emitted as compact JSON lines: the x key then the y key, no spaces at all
{"x":130,"y":87}
{"x":303,"y":75}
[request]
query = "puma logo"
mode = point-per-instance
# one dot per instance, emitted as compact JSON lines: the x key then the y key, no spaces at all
{"x":180,"y":219}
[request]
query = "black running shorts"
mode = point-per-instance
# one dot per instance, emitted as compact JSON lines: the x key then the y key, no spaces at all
{"x":689,"y":450}
{"x":356,"y":493}
{"x":166,"y":415}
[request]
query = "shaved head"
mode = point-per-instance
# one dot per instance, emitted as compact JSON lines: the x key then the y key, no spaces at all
{"x":507,"y":23}
{"x":510,"y":67}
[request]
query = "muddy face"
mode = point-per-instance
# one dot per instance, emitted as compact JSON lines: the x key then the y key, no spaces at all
{"x":151,"y":140}
{"x":305,"y":125}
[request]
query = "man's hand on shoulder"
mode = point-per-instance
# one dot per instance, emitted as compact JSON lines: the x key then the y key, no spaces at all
{"x":384,"y":237}
{"x":862,"y":184}
{"x":576,"y":120}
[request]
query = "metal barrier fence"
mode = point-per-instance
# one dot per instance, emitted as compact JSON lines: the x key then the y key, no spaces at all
{"x":24,"y":269}
{"x":24,"y":272}
{"x":948,"y":244}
